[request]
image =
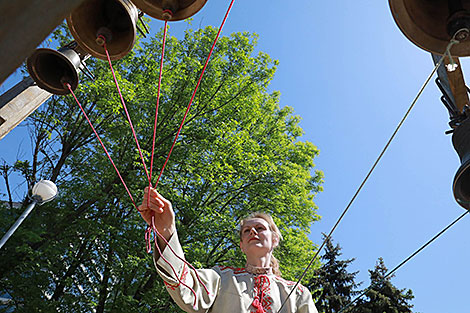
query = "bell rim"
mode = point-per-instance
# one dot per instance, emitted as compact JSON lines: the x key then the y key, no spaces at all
{"x":157,"y":13}
{"x":408,"y":28}
{"x":458,"y":174}
{"x":133,"y":16}
{"x":33,"y":73}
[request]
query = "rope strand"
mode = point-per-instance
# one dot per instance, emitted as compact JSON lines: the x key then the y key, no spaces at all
{"x":125,"y":107}
{"x":195,"y":90}
{"x":390,"y":273}
{"x":168,"y":262}
{"x":158,"y":100}
{"x":152,"y":225}
{"x":102,"y":145}
{"x":155,"y":230}
{"x":370,"y":171}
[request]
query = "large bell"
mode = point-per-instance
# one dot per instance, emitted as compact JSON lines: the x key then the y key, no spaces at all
{"x":171,"y":10}
{"x":430,"y":24}
{"x":50,"y":69}
{"x":461,"y":142}
{"x":114,"y":19}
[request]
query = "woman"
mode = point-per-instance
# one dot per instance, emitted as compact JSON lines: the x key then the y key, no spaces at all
{"x":257,"y":288}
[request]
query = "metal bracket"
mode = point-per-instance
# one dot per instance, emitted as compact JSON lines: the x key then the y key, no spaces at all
{"x":455,"y":93}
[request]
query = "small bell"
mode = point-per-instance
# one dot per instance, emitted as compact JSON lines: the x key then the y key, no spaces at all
{"x":114,"y":21}
{"x":461,"y":142}
{"x":432,"y":24}
{"x":51,"y":69}
{"x":170,"y":10}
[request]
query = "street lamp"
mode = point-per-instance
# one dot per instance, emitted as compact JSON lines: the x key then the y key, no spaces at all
{"x":42,"y":192}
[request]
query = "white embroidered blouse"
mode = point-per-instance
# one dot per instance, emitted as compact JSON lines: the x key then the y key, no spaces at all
{"x":230,"y":290}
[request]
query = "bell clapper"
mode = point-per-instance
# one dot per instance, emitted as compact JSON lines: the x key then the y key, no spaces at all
{"x":66,"y":81}
{"x":458,"y":22}
{"x":169,"y":7}
{"x":458,"y":28}
{"x":167,"y":14}
{"x":103,"y":35}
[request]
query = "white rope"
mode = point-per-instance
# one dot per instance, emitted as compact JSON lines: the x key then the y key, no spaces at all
{"x":452,"y":42}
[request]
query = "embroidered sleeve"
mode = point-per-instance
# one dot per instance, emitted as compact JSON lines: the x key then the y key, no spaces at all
{"x":305,"y":302}
{"x":193,"y":290}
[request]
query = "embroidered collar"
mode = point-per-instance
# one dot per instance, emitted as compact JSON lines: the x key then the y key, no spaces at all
{"x":257,"y":270}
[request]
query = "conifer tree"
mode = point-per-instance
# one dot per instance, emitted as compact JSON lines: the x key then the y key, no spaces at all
{"x":383,"y":296}
{"x":333,"y":286}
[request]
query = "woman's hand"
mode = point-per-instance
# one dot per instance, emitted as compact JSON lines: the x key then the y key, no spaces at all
{"x":155,"y":207}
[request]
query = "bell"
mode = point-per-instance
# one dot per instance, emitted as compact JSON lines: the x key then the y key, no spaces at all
{"x":50,"y":69}
{"x":431,"y":24}
{"x":461,"y":142}
{"x":115,"y":20}
{"x":170,"y":10}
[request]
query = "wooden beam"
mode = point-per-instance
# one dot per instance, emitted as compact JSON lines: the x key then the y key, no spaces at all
{"x":18,"y":103}
{"x":24,"y":24}
{"x":457,"y":85}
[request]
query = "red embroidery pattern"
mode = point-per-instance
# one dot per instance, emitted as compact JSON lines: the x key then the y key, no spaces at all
{"x":263,"y":301}
{"x":182,"y":279}
{"x":236,"y":270}
{"x":290,"y":283}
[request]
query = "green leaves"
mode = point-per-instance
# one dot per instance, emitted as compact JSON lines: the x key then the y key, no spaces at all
{"x":238,"y":152}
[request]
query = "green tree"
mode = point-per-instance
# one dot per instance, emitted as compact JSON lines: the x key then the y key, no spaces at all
{"x":383,"y":296}
{"x":333,"y":286}
{"x":239,"y":152}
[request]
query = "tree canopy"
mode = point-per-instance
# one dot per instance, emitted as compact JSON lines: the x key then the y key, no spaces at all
{"x":239,"y":152}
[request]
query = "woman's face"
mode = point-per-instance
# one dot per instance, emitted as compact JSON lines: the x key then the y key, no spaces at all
{"x":256,"y":237}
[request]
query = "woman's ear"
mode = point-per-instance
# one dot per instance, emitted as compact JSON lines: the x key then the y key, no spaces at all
{"x":275,"y":240}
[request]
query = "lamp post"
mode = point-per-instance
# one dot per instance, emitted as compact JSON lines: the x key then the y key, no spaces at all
{"x":44,"y":191}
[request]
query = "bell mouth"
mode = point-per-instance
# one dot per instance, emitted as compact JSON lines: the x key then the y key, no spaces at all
{"x":50,"y":69}
{"x":118,"y":17}
{"x":180,"y":9}
{"x":425,"y":23}
{"x":461,"y":186}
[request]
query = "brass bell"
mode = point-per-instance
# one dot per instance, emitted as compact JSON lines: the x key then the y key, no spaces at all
{"x":431,"y":24}
{"x":115,"y":20}
{"x":461,"y":142}
{"x":170,"y":10}
{"x":50,"y":69}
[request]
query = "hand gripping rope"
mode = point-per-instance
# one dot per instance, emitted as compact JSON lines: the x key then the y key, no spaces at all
{"x":151,"y":229}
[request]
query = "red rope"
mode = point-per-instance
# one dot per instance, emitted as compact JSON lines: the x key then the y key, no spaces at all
{"x":195,"y":90}
{"x":152,"y":225}
{"x":125,"y":107}
{"x":158,"y":101}
{"x":102,"y":145}
{"x":147,"y":235}
{"x":156,"y":232}
{"x":153,"y":228}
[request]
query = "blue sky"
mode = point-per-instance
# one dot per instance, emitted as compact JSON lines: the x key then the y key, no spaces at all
{"x":350,"y":74}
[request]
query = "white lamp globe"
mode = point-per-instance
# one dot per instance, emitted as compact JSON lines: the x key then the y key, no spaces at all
{"x":44,"y":191}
